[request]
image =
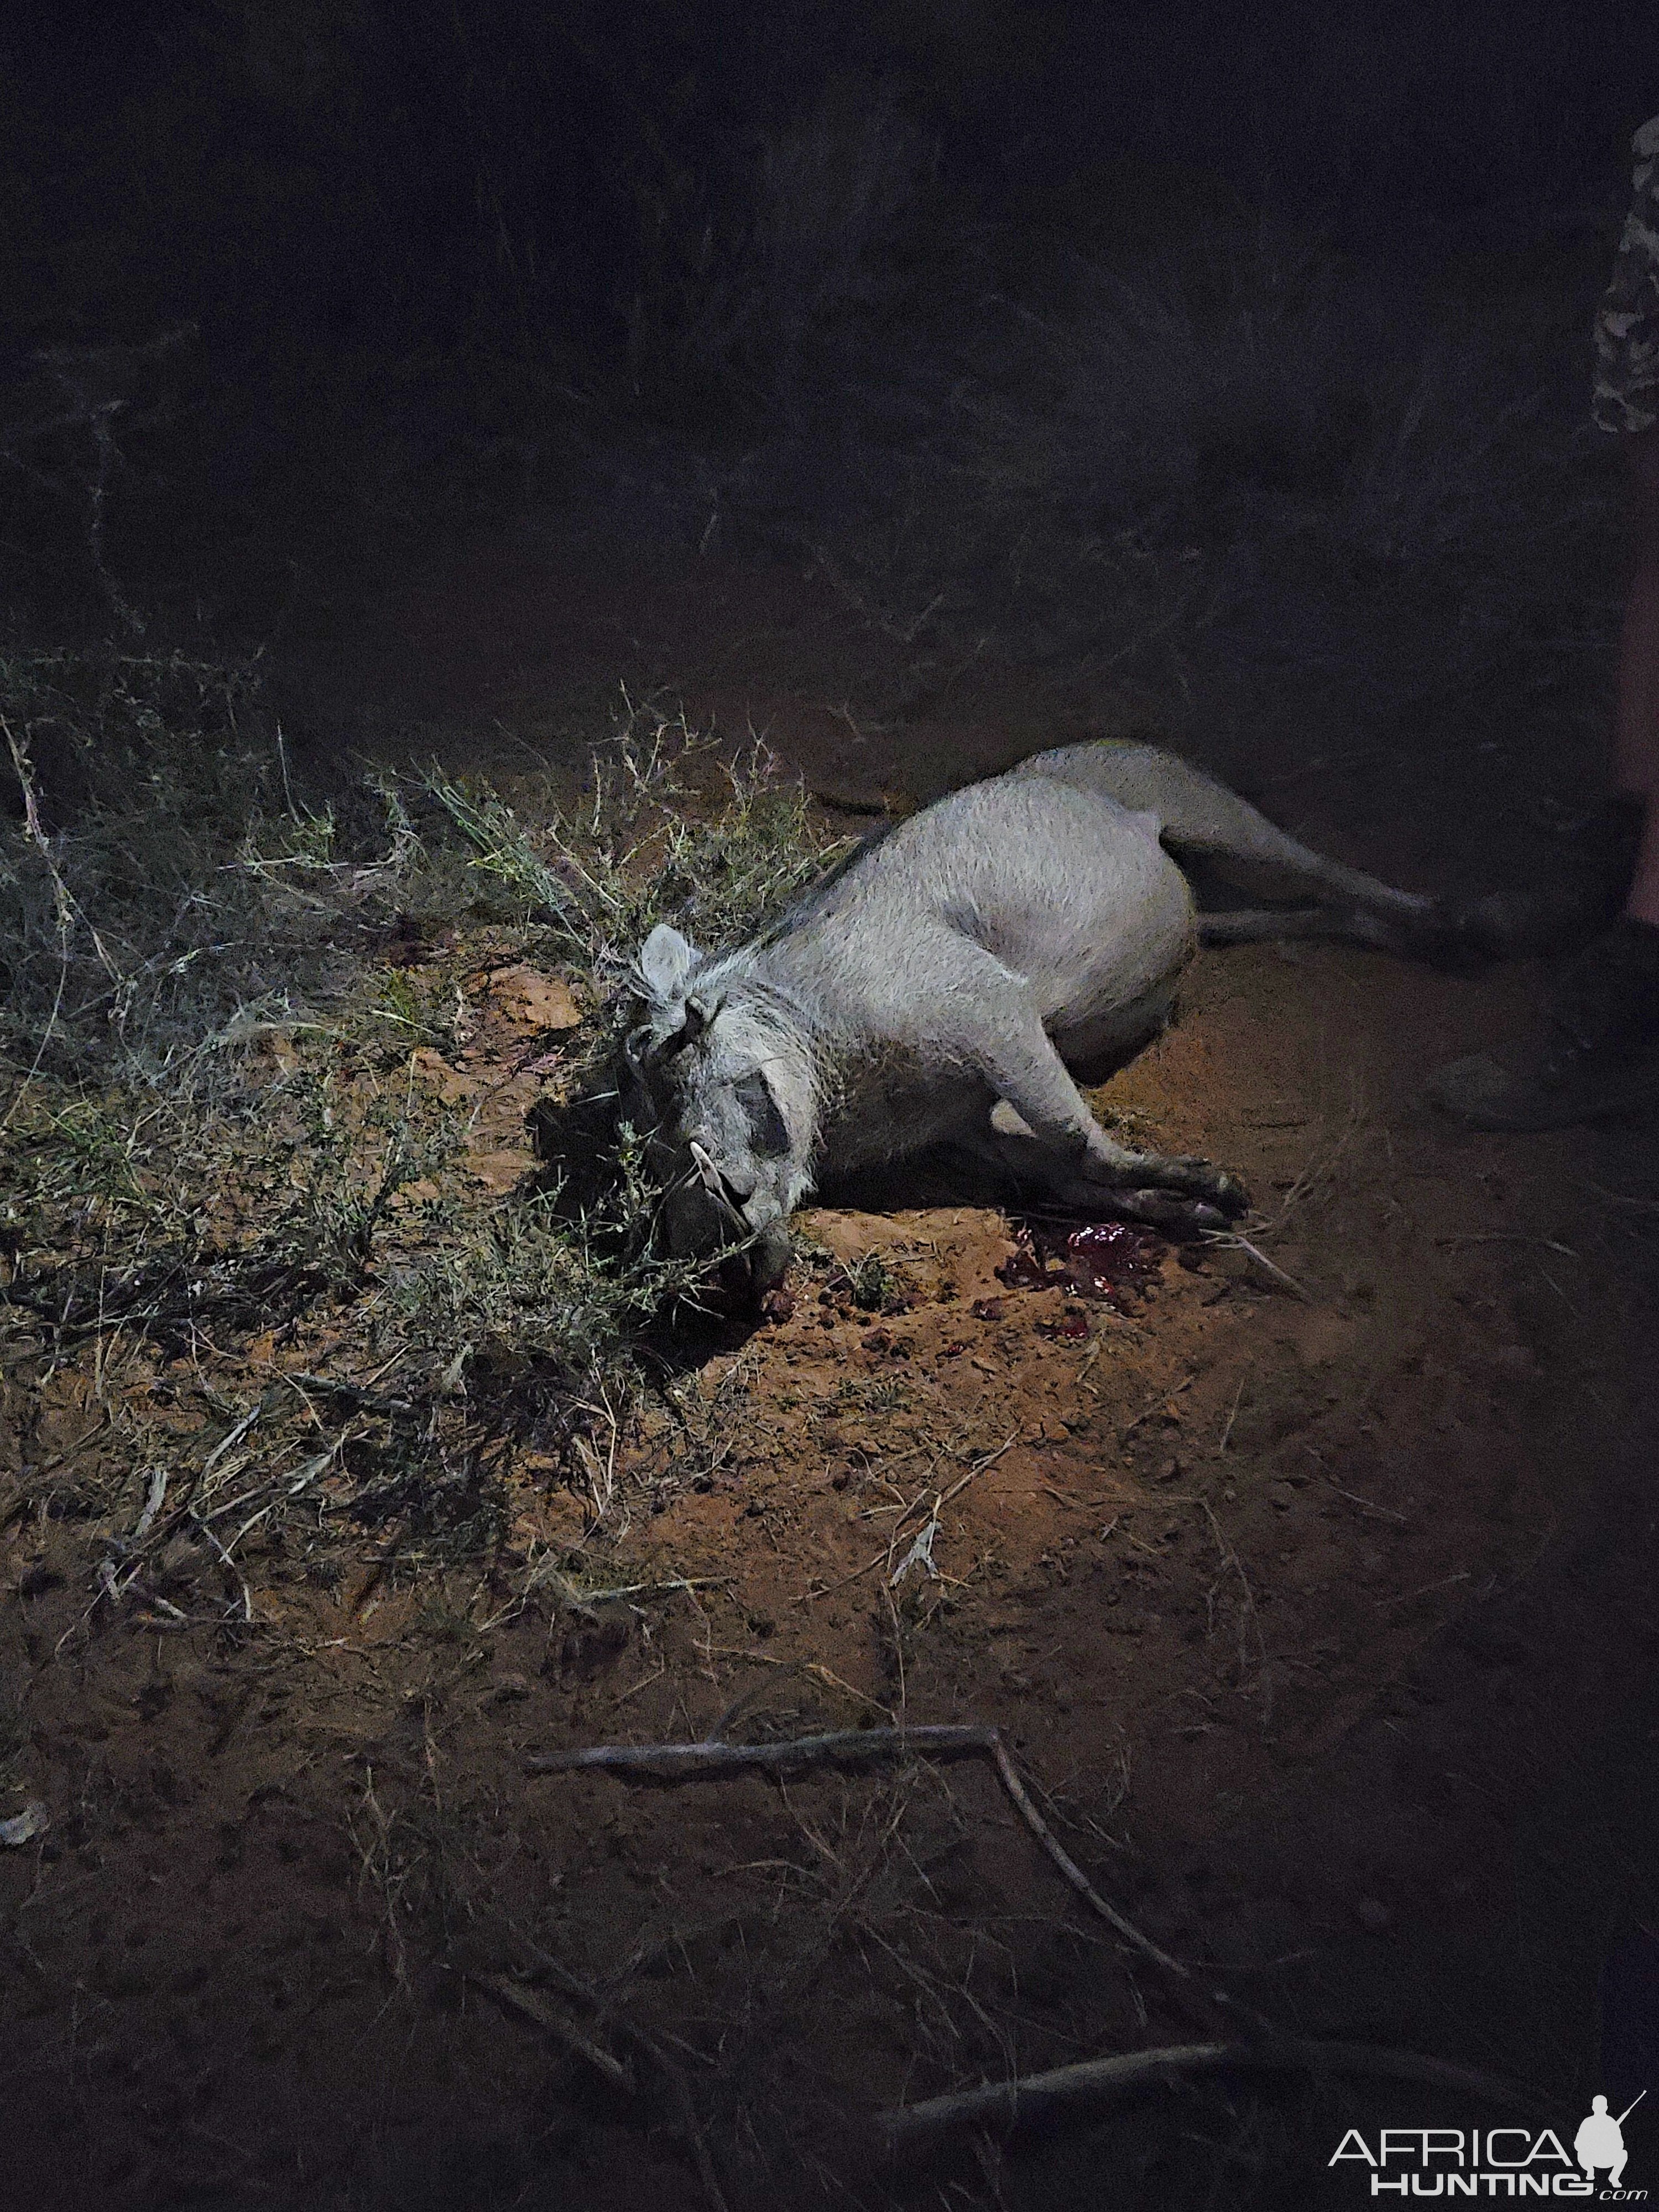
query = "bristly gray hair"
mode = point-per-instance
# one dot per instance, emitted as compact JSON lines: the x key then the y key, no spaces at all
{"x":737,"y":988}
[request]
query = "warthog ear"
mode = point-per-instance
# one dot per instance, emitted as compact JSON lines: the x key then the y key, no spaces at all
{"x":666,"y":960}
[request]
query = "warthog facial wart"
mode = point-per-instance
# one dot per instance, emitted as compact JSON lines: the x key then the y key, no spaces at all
{"x":947,"y":982}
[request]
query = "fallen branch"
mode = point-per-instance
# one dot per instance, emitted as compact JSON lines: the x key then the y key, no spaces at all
{"x":1079,"y":2090}
{"x":534,"y":2006}
{"x":1068,"y":1866}
{"x":681,"y":1762}
{"x":712,"y":1760}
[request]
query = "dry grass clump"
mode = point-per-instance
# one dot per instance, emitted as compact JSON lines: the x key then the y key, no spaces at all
{"x":235,"y":1204}
{"x":651,"y":844}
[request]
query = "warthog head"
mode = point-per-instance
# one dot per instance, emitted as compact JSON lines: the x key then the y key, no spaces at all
{"x":720,"y":1082}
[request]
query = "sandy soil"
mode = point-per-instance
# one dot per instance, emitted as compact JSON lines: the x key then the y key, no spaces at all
{"x":1318,"y":1610}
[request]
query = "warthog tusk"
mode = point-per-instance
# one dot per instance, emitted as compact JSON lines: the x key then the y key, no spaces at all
{"x":714,"y":1183}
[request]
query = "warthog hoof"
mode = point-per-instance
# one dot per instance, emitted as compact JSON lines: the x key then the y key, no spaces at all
{"x":1198,"y":1179}
{"x":1469,"y":934}
{"x":1181,"y":1219}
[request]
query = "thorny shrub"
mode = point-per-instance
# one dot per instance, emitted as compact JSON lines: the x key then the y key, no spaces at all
{"x":215,"y":1148}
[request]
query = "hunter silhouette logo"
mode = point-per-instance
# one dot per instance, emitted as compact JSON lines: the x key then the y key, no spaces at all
{"x":1600,"y":2141}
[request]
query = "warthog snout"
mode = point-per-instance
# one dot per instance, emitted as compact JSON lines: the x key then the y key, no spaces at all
{"x":711,"y":1210}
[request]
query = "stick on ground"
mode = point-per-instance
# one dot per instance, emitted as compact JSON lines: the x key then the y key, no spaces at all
{"x":712,"y":1759}
{"x":679,"y":1762}
{"x":534,"y":2006}
{"x":1079,"y":2091}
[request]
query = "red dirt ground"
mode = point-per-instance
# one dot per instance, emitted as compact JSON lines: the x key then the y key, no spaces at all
{"x":1324,"y":1621}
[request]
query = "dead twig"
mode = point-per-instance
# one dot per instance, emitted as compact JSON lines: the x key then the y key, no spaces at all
{"x":712,"y":1760}
{"x":534,"y":2006}
{"x":228,"y":1443}
{"x":1230,"y":1241}
{"x":885,"y":1554}
{"x":978,"y":1468}
{"x":674,"y":2074}
{"x":1068,"y":1866}
{"x":1511,"y":1236}
{"x":1085,"y":2087}
{"x":1368,"y":1505}
{"x":1623,"y":1198}
{"x":228,"y":1564}
{"x":1227,"y":1428}
{"x":1247,"y":1614}
{"x":155,"y":1498}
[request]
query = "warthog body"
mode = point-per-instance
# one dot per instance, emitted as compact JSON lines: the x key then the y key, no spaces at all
{"x":944,"y":983}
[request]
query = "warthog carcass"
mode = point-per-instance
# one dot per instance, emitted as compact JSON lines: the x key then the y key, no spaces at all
{"x":944,"y":982}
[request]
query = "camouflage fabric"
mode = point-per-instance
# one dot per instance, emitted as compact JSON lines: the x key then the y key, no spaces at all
{"x":1625,"y":393}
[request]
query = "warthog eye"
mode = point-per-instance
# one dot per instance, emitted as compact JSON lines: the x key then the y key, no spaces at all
{"x":767,"y":1130}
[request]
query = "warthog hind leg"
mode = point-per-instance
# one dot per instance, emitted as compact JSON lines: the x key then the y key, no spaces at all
{"x":1257,"y":925}
{"x":1201,"y":821}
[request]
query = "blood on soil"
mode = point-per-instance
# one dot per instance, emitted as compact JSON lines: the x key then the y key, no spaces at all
{"x":1112,"y":1263}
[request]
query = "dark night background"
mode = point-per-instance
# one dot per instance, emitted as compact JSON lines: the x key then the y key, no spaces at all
{"x":386,"y":388}
{"x":430,"y":175}
{"x":581,"y":190}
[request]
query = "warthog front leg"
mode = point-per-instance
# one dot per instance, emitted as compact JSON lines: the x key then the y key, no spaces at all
{"x":1041,"y":1130}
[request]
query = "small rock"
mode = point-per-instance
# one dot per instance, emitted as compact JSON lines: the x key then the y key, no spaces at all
{"x":22,"y":1828}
